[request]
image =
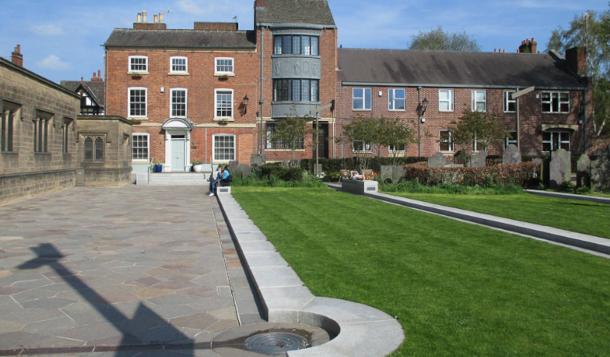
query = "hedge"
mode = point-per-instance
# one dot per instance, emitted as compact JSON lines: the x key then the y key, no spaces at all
{"x":522,"y":174}
{"x":353,"y":163}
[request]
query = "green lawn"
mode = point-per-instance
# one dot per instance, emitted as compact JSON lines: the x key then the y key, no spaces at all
{"x":457,"y":289}
{"x":573,"y":215}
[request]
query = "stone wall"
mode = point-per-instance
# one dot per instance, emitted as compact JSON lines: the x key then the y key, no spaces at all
{"x":115,"y":167}
{"x":23,"y":171}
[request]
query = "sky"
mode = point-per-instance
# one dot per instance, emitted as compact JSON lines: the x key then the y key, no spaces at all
{"x":63,"y":39}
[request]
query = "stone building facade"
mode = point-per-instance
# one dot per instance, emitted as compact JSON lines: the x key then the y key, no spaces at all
{"x":38,"y":142}
{"x":45,"y":145}
{"x":214,"y":94}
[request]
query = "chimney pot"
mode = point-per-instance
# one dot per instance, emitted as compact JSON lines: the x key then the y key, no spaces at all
{"x":17,"y":57}
{"x":99,"y":74}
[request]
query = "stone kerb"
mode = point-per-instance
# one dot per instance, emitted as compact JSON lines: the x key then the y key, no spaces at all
{"x":359,"y":187}
{"x":355,"y":329}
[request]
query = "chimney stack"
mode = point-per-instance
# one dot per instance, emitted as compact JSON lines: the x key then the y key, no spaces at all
{"x":99,"y":74}
{"x":576,"y":57}
{"x":529,"y":45}
{"x":143,"y":24}
{"x":16,"y":56}
{"x":260,"y":3}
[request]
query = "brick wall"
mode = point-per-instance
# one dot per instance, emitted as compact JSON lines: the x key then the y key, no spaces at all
{"x":531,"y":116}
{"x":200,"y":83}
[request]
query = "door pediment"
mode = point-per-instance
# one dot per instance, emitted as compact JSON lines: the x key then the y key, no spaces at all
{"x":178,"y":123}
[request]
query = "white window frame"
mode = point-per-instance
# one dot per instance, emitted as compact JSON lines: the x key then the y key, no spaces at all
{"x":171,"y":65}
{"x":366,"y":147}
{"x":451,"y":141}
{"x":145,"y":116}
{"x":214,"y":159}
{"x":508,"y":140}
{"x":507,"y":101}
{"x":392,"y":99}
{"x":364,"y":90}
{"x":393,"y":150}
{"x":147,"y":147}
{"x":475,"y":101}
{"x":216,"y":104}
{"x":140,"y":71}
{"x":186,"y":102}
{"x":224,"y":73}
{"x":559,"y":102}
{"x":561,"y":134}
{"x":450,"y":100}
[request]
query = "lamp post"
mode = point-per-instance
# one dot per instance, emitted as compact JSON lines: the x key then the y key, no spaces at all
{"x":422,"y":106}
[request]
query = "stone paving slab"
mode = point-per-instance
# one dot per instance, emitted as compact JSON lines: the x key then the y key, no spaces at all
{"x":111,"y":266}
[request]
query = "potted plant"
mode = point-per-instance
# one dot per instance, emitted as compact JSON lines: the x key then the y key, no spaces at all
{"x":157,"y":167}
{"x":197,"y":166}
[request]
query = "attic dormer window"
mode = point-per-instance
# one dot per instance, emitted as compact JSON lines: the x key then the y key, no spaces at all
{"x":138,"y":64}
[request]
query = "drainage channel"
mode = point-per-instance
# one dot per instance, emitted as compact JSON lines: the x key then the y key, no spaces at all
{"x":254,"y":334}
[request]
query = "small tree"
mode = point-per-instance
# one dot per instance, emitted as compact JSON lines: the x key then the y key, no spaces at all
{"x":395,"y":133}
{"x":483,"y":128}
{"x":291,"y":133}
{"x":440,"y":40}
{"x":365,"y":130}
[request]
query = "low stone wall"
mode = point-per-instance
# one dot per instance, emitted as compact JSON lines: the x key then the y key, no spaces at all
{"x":13,"y":186}
{"x":102,"y":176}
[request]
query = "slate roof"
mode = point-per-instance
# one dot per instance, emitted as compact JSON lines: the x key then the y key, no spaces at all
{"x":94,"y":88}
{"x":191,"y":39}
{"x":446,"y":68}
{"x":315,"y":12}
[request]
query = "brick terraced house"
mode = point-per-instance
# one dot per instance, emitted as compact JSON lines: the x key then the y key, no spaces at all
{"x":214,"y":93}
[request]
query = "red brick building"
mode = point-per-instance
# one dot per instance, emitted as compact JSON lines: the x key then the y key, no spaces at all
{"x":214,"y":94}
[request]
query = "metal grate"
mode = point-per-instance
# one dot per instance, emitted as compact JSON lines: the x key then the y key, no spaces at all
{"x":271,"y":343}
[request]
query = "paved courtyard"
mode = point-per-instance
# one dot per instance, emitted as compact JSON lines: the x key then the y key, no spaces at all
{"x":115,"y":267}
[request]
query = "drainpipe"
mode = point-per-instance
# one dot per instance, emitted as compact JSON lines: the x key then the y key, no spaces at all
{"x":261,"y":96}
{"x":418,"y":123}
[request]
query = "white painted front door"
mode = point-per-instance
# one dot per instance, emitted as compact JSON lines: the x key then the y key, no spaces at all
{"x":178,"y":152}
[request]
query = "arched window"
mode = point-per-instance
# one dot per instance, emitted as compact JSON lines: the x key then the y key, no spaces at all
{"x":88,"y":148}
{"x":99,"y":149}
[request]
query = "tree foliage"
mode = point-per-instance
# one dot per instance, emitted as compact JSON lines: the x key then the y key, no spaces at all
{"x":592,"y":31}
{"x":485,"y":128}
{"x":438,"y":39}
{"x":395,"y":133}
{"x":377,"y":133}
{"x":291,"y":132}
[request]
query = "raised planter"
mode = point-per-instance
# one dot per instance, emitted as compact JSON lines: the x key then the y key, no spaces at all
{"x":359,"y":187}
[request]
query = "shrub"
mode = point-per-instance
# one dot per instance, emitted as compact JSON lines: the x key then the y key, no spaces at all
{"x":522,"y":174}
{"x":352,"y":163}
{"x":281,"y":172}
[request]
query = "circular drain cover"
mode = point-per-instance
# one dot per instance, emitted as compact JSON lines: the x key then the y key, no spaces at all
{"x":275,"y":342}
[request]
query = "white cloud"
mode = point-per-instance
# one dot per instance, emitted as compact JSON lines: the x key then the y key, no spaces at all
{"x":47,"y":30}
{"x":53,"y":62}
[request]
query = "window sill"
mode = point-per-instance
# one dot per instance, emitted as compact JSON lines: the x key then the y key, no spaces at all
{"x":8,"y":153}
{"x":140,"y":161}
{"x":284,"y":150}
{"x":224,"y":74}
{"x":178,"y":74}
{"x":224,"y":119}
{"x":445,"y":111}
{"x":555,"y":113}
{"x":137,"y":118}
{"x":361,"y":110}
{"x":136,"y":73}
{"x":294,"y":56}
{"x":397,"y":110}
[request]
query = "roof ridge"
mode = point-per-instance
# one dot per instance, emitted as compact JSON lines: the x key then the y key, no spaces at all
{"x":440,"y":51}
{"x":180,"y":30}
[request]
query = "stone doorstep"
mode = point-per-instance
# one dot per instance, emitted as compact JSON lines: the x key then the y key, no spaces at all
{"x":360,"y":329}
{"x":570,"y":195}
{"x":584,"y":241}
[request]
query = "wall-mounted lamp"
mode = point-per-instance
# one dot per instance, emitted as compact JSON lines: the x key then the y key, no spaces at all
{"x":244,"y":103}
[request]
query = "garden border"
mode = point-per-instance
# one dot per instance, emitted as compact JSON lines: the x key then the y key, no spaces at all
{"x":355,"y":329}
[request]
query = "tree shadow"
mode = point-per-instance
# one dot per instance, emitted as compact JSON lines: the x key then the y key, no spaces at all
{"x":146,"y":331}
